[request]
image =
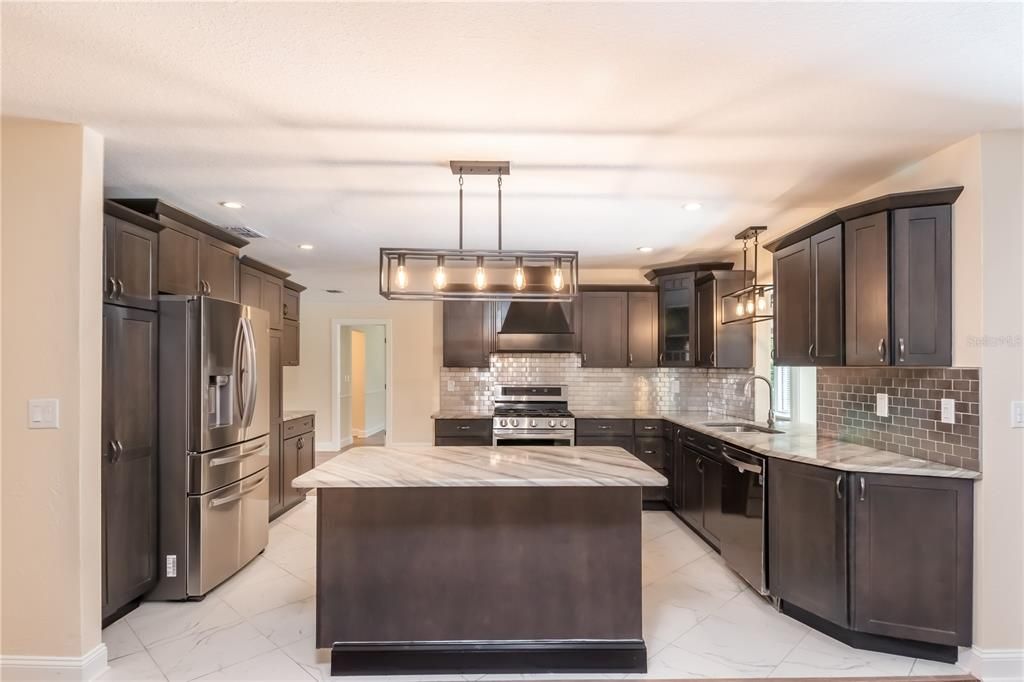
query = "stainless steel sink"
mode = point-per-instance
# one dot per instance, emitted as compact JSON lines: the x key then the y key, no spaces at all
{"x":740,"y":427}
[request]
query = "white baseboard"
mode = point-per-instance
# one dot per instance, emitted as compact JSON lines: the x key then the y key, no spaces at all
{"x":411,"y":445}
{"x":33,"y":668}
{"x":994,"y":665}
{"x":366,"y":433}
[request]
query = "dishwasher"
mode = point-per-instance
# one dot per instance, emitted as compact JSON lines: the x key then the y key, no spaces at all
{"x":743,"y":540}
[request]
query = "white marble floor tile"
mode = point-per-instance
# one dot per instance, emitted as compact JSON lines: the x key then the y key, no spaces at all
{"x":274,"y":666}
{"x":751,"y":650}
{"x":667,"y":553}
{"x":750,"y":611}
{"x":264,"y":589}
{"x":656,"y":524}
{"x":674,"y":662}
{"x":316,"y":662}
{"x":120,"y":640}
{"x":289,"y":623}
{"x":156,"y":622}
{"x":137,"y":667}
{"x":922,"y":667}
{"x":191,"y":657}
{"x":700,"y":594}
{"x":818,"y":655}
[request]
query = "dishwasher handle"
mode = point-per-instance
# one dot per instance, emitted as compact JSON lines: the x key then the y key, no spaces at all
{"x":741,"y":465}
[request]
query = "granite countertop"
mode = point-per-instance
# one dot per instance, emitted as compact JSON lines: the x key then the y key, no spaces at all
{"x":481,"y":466}
{"x":298,"y":414}
{"x":798,"y":443}
{"x":463,"y":414}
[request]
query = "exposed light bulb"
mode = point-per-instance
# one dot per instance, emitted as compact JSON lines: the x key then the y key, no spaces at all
{"x":750,"y":306}
{"x":480,"y":277}
{"x":558,"y":279}
{"x":762,"y":304}
{"x":519,"y":278}
{"x":739,"y":308}
{"x":440,"y":276}
{"x":401,"y":275}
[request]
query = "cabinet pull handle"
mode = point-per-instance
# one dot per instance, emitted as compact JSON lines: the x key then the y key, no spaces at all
{"x":462,"y":428}
{"x":112,"y":451}
{"x":839,"y":487}
{"x":648,"y":428}
{"x":862,"y":488}
{"x":661,"y":356}
{"x":712,"y":357}
{"x":700,"y":464}
{"x":902,"y":348}
{"x":299,"y":444}
{"x":631,"y":358}
{"x":648,"y":452}
{"x":603,"y":427}
{"x":881,"y":350}
{"x":285,"y":308}
{"x":112,"y":287}
{"x":810,"y":352}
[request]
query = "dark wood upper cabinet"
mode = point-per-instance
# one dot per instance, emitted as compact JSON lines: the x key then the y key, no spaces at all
{"x":721,"y":345}
{"x":130,"y":262}
{"x":290,"y":305}
{"x":218,"y":268}
{"x":643,"y":328}
{"x":807,"y":538}
{"x":677,"y":321}
{"x":604,"y":328}
{"x":867,"y":290}
{"x":290,"y":344}
{"x":262,"y":286}
{"x":922,"y":286}
{"x":250,"y":286}
{"x":179,"y":261}
{"x":911,"y":557}
{"x":826,"y":289}
{"x":276,"y":417}
{"x":468,"y":333}
{"x":793,"y":304}
{"x":809,"y":300}
{"x":129,"y":452}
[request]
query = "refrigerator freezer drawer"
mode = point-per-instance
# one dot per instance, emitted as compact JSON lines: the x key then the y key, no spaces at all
{"x":227,"y":528}
{"x":209,"y":471}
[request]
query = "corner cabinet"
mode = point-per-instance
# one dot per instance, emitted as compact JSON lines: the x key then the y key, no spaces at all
{"x":721,"y":345}
{"x":676,"y":339}
{"x":130,"y":261}
{"x":878,"y":555}
{"x":468,"y":333}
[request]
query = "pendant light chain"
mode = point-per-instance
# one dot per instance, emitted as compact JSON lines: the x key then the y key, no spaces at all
{"x":499,"y":211}
{"x":460,"y":210}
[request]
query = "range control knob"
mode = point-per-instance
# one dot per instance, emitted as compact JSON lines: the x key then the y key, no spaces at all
{"x":563,"y":423}
{"x":533,"y":423}
{"x":504,"y":422}
{"x":551,"y":423}
{"x":515,"y":422}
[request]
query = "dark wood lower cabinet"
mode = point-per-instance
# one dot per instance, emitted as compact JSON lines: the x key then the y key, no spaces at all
{"x":807,"y":538}
{"x":911,"y":557}
{"x":276,"y":417}
{"x":691,"y":488}
{"x":297,"y":455}
{"x":129,"y":456}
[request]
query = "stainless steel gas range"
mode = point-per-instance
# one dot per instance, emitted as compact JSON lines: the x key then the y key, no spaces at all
{"x":532,"y":415}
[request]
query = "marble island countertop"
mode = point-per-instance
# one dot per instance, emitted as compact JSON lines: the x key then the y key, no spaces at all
{"x":797,"y":443}
{"x":481,"y":466}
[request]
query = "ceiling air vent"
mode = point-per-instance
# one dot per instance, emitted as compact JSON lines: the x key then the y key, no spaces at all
{"x":246,"y":232}
{"x":334,"y":291}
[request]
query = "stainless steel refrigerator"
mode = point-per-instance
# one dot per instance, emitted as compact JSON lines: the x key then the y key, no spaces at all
{"x":214,"y":442}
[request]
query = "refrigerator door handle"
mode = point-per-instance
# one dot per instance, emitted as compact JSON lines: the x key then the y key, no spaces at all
{"x":253,"y":385}
{"x":239,"y":369}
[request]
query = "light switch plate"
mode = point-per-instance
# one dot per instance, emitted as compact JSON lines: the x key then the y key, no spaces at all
{"x":947,"y":411}
{"x":44,"y":413}
{"x":1017,"y":414}
{"x":882,"y":404}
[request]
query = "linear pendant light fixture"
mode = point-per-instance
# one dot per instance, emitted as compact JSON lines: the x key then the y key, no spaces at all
{"x":475,"y":274}
{"x":753,"y":303}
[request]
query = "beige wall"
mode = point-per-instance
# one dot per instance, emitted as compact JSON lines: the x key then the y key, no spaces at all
{"x":988,"y":324}
{"x":51,"y":301}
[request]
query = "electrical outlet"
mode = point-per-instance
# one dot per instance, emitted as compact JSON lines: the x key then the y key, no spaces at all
{"x":172,"y":565}
{"x":882,"y":404}
{"x":947,"y":411}
{"x":44,"y":413}
{"x":451,"y":386}
{"x":1017,"y":414}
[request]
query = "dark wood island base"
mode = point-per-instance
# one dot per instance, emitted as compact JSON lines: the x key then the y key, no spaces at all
{"x":480,"y":579}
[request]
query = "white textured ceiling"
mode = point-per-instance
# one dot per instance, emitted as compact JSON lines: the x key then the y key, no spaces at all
{"x":334,"y":123}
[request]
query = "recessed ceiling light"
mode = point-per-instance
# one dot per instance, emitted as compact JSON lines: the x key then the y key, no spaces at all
{"x":334,"y":291}
{"x":691,"y":206}
{"x":645,"y":249}
{"x":232,"y":204}
{"x":306,"y":247}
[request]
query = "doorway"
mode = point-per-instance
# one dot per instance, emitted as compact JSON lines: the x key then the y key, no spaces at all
{"x":362,"y":368}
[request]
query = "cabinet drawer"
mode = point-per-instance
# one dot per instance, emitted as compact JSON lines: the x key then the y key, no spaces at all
{"x":604,"y":427}
{"x":457,"y":442}
{"x":296,"y":426}
{"x":651,"y":452}
{"x":463,"y":428}
{"x":624,"y":442}
{"x":654,"y":428}
{"x":701,"y":443}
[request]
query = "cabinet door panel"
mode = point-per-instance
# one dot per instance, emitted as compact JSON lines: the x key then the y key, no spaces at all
{"x":218,"y":267}
{"x":677,"y":324}
{"x":290,"y":344}
{"x":290,"y":304}
{"x":179,"y":261}
{"x":692,"y":488}
{"x":250,"y":287}
{"x":867,"y":290}
{"x":912,"y":557}
{"x":643,"y":328}
{"x":706,"y":324}
{"x":734,"y":343}
{"x":129,"y":494}
{"x":131,"y":257}
{"x":276,"y":415}
{"x":272,"y":293}
{"x":808,"y":538}
{"x":826,"y":279}
{"x":605,"y":328}
{"x":922,"y":286}
{"x":711,"y":482}
{"x":793,"y":304}
{"x":289,"y":470}
{"x":468,"y":332}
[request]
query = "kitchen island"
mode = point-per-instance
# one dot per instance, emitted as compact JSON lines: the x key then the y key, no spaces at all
{"x":480,"y":559}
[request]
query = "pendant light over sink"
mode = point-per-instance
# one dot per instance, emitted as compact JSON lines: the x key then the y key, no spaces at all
{"x":753,"y":303}
{"x":478,"y":274}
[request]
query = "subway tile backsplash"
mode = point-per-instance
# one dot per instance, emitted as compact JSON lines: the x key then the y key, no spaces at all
{"x":846,"y":410}
{"x":661,"y":389}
